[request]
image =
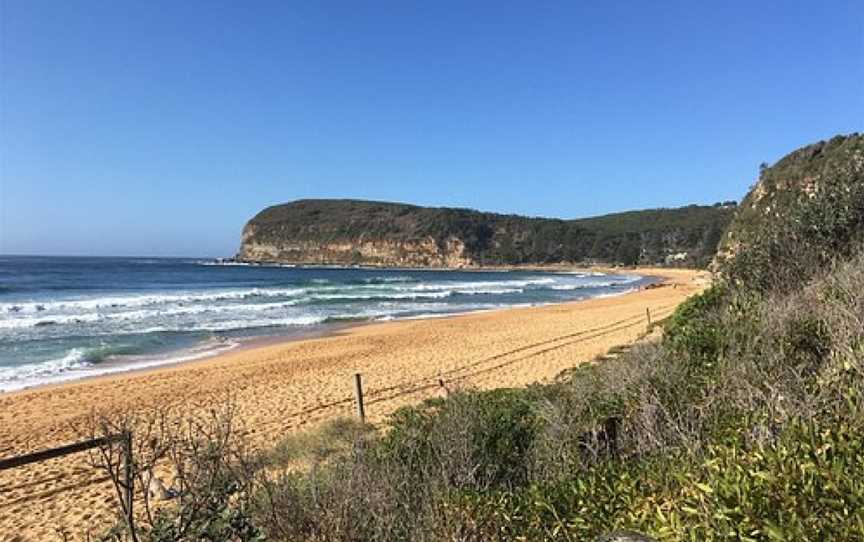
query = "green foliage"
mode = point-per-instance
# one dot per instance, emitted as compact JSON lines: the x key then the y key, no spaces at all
{"x":218,"y":521}
{"x":629,"y":249}
{"x":693,"y":329}
{"x":744,"y":424}
{"x":332,"y":438}
{"x":218,"y":512}
{"x":806,"y":211}
{"x":804,"y":487}
{"x":808,"y":340}
{"x":626,"y":238}
{"x":807,"y":486}
{"x":499,"y":426}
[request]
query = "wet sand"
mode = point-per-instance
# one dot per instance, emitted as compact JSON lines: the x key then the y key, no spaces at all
{"x":278,"y":388}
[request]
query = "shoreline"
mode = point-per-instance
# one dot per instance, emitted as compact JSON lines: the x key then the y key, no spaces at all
{"x":552,"y":267}
{"x":261,"y":343}
{"x":126,"y":367}
{"x":284,"y":387}
{"x":143,"y":363}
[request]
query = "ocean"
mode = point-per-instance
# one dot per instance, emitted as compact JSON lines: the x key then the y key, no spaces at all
{"x":63,"y":318}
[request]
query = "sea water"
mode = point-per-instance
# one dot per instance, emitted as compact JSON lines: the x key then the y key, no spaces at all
{"x":63,"y":318}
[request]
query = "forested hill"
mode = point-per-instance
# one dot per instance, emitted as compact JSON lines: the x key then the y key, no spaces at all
{"x":395,"y":234}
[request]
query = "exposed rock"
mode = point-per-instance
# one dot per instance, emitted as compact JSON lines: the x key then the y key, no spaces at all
{"x":827,"y":173}
{"x":349,"y":232}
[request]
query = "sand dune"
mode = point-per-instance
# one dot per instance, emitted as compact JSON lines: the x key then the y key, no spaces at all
{"x":282,"y":387}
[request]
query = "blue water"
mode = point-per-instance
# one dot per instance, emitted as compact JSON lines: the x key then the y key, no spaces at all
{"x":65,"y":318}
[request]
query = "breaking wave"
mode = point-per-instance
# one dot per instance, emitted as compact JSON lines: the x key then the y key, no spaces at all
{"x":50,"y":331}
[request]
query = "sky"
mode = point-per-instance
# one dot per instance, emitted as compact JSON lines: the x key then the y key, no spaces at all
{"x":159,"y":128}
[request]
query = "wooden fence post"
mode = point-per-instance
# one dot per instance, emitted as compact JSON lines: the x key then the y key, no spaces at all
{"x":358,"y":392}
{"x":129,"y":482}
{"x":610,"y":434}
{"x":648,"y":314}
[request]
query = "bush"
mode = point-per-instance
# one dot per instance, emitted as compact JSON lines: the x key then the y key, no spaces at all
{"x":807,"y":212}
{"x":213,"y":476}
{"x":693,"y":329}
{"x":476,"y":439}
{"x":333,"y":438}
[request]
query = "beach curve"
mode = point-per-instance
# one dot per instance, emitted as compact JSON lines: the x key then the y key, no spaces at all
{"x":281,"y":387}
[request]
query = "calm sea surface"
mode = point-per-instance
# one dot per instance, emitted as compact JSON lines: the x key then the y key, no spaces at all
{"x":65,"y":318}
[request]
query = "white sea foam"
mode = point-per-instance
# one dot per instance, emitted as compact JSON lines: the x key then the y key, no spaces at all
{"x":74,"y":359}
{"x":74,"y":366}
{"x":386,"y":318}
{"x":154,"y":309}
{"x":48,"y":321}
{"x":488,"y":291}
{"x":582,"y":286}
{"x":394,"y":287}
{"x":115,"y":302}
{"x":226,"y":325}
{"x":614,"y":294}
{"x":348,"y":296}
{"x":228,"y":311}
{"x":479,"y":285}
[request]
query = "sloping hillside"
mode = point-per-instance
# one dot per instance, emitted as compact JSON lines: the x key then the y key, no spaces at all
{"x":810,"y":203}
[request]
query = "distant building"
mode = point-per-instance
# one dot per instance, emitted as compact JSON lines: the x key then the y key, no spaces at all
{"x":677,"y":257}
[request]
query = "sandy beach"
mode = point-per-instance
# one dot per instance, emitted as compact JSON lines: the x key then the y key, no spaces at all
{"x":279,"y":388}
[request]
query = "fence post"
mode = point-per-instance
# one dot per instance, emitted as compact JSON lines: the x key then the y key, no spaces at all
{"x":648,"y":314}
{"x":610,"y":431}
{"x":129,"y":482}
{"x":358,"y":392}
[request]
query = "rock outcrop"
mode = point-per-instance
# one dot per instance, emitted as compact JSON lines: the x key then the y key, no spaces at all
{"x":822,"y":183}
{"x":423,"y":252}
{"x":349,"y":232}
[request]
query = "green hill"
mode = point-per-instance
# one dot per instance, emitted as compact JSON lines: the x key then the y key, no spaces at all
{"x":379,"y":233}
{"x":809,"y":204}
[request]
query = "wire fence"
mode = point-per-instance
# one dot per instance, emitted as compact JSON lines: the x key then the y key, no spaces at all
{"x":477,"y":367}
{"x":361,"y":399}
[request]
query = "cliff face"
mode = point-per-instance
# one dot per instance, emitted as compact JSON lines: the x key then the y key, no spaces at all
{"x":821,"y":185}
{"x":391,"y":234}
{"x":405,"y":253}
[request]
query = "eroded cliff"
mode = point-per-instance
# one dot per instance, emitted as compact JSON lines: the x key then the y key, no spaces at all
{"x":351,"y":232}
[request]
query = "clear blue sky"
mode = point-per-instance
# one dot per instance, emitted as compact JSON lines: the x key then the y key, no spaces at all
{"x":159,"y":128}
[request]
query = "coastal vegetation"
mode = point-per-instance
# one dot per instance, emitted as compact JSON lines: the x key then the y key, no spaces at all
{"x":379,"y":233}
{"x":744,"y":422}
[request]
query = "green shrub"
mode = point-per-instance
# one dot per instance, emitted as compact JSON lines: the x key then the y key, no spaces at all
{"x":693,"y":327}
{"x":494,"y":429}
{"x":219,"y":519}
{"x":807,"y":341}
{"x":331,"y":439}
{"x":808,"y":486}
{"x":807,"y":213}
{"x":745,"y":423}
